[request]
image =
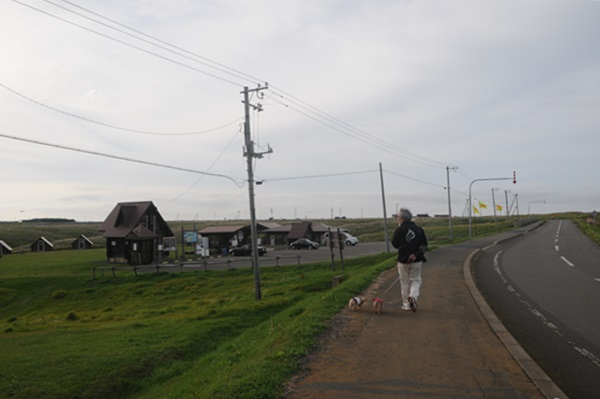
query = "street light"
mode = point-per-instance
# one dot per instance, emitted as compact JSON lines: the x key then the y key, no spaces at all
{"x":533,"y":202}
{"x":494,"y":204}
{"x":471,"y":203}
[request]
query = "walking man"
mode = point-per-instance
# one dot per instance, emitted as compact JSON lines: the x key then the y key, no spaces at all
{"x":411,"y":242}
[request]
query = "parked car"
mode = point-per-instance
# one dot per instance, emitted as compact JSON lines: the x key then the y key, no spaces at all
{"x":246,"y":250}
{"x":349,"y":239}
{"x":304,"y":243}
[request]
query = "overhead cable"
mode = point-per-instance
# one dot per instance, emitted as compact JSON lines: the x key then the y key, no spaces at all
{"x":237,"y":84}
{"x":207,"y":170}
{"x":319,"y":176}
{"x":351,"y":131}
{"x":238,"y":182}
{"x":210,"y":63}
{"x":301,"y":107}
{"x":414,"y":179}
{"x":114,"y":126}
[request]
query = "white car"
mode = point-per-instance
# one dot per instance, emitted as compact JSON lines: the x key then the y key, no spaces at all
{"x":349,"y":239}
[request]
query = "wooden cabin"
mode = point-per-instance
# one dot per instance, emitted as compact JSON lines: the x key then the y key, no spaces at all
{"x":133,"y":233}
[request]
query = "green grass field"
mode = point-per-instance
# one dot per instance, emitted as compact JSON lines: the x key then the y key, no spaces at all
{"x":194,"y":334}
{"x":198,"y":334}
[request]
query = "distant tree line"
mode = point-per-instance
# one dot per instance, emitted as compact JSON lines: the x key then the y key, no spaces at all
{"x":49,"y":220}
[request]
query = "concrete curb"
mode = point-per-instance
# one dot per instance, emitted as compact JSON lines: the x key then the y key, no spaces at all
{"x":535,"y":372}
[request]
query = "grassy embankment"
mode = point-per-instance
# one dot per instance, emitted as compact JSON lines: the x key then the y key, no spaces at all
{"x":197,"y":334}
{"x":190,"y":335}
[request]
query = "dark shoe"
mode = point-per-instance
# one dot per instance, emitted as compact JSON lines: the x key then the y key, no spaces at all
{"x":413,"y":303}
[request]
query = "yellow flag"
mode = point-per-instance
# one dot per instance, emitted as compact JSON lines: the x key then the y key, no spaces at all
{"x":499,"y":208}
{"x":476,"y":210}
{"x":482,"y":205}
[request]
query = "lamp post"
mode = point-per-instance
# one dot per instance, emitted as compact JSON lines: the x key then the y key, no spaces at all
{"x":533,"y":202}
{"x":470,"y":201}
{"x":494,"y":204}
{"x":448,"y":169}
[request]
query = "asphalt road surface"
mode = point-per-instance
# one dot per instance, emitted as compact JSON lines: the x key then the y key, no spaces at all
{"x":545,"y":287}
{"x":282,"y":257}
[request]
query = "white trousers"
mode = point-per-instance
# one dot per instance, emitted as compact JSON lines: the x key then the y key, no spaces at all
{"x":410,"y":281}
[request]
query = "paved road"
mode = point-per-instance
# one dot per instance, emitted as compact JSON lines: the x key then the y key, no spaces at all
{"x":294,"y":257}
{"x":445,"y":350}
{"x":545,"y":287}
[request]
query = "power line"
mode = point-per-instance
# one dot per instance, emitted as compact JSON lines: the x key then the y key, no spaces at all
{"x":353,"y":132}
{"x":114,"y":126}
{"x":209,"y":168}
{"x":319,"y":176}
{"x":414,"y":179}
{"x":310,"y":111}
{"x":221,"y":67}
{"x":122,"y":158}
{"x":129,"y":44}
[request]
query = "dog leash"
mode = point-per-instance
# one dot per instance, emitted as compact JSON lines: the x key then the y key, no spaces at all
{"x":394,"y":283}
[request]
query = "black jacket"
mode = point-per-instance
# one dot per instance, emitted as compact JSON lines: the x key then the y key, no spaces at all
{"x":410,"y":239}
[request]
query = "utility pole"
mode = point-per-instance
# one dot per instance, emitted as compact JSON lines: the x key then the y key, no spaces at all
{"x":507,"y":207}
{"x":250,"y":155}
{"x":448,"y":169}
{"x":494,"y":205}
{"x":387,"y":241}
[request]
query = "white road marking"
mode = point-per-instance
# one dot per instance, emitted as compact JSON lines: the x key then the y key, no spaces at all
{"x":567,"y":261}
{"x":556,"y":248}
{"x":497,"y":267}
{"x":553,"y":327}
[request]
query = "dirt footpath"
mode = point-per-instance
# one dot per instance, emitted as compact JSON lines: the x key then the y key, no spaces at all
{"x":445,"y":350}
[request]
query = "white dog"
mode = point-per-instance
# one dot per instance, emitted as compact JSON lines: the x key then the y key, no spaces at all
{"x":356,"y":302}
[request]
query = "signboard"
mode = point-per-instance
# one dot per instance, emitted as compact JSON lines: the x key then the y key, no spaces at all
{"x":190,"y":237}
{"x":169,"y":244}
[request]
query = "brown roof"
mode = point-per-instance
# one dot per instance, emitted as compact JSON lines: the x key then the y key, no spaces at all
{"x":268,"y":225}
{"x":85,"y":238}
{"x":280,"y":229}
{"x":299,"y":230}
{"x":141,"y":231}
{"x":44,"y":239}
{"x":221,"y":229}
{"x":321,"y":228}
{"x":126,"y":216}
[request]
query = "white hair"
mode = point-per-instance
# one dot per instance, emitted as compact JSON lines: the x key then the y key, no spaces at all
{"x":405,"y":214}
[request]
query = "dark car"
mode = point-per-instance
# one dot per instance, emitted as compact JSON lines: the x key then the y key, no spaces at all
{"x":246,"y":250}
{"x":304,"y":243}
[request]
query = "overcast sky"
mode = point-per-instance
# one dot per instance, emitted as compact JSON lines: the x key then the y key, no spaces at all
{"x":489,"y":87}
